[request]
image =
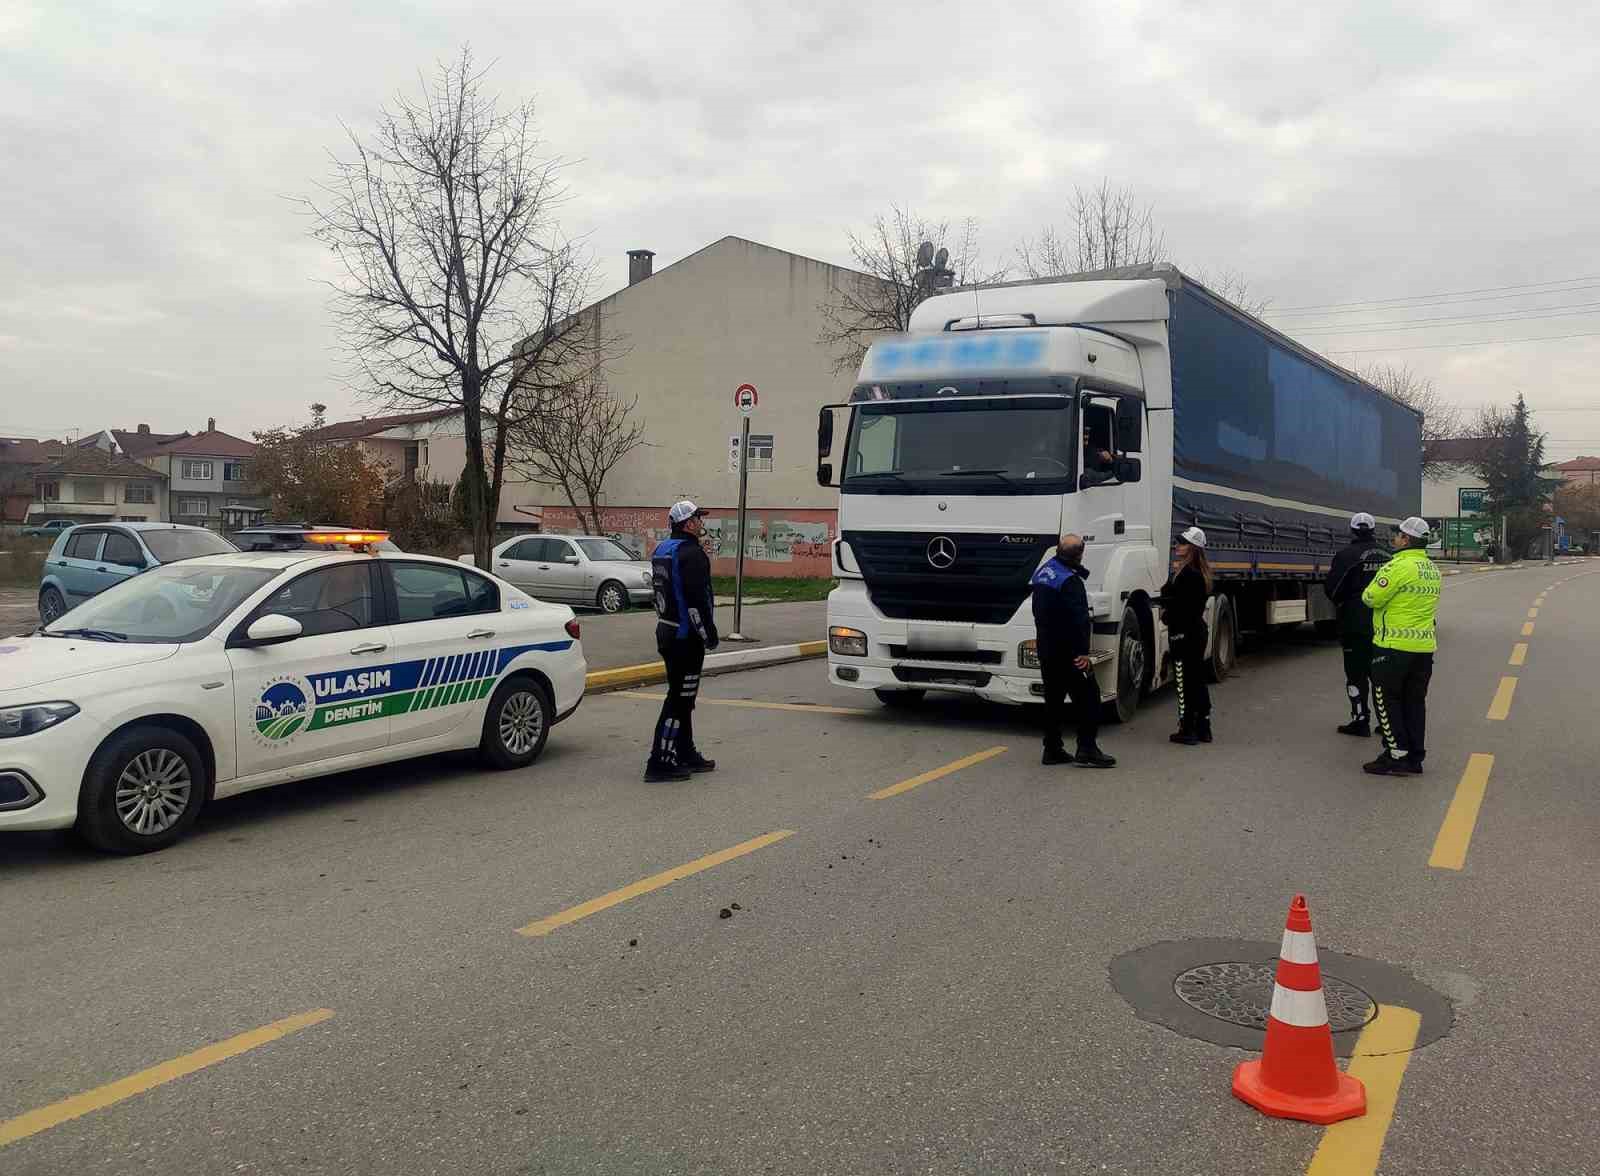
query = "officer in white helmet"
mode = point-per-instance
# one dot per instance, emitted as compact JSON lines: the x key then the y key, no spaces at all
{"x":1354,"y":566}
{"x":1183,"y":608}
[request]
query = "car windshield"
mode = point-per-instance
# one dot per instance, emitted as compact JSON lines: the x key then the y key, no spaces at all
{"x":171,"y":546}
{"x":961,"y":447}
{"x":166,"y":605}
{"x":605,"y":549}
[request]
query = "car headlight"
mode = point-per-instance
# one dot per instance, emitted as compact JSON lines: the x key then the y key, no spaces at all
{"x":847,"y":642}
{"x":1028,"y":655}
{"x":645,"y":579}
{"x":26,"y":720}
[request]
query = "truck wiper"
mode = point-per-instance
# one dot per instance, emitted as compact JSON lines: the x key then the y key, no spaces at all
{"x":895,"y":474}
{"x":91,"y":634}
{"x":1001,"y":474}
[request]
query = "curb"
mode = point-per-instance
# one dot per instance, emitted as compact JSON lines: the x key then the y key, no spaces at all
{"x":626,"y":677}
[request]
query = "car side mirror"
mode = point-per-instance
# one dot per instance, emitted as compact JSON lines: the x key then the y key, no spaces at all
{"x":1128,"y":469}
{"x":825,"y":473}
{"x":569,"y":559}
{"x":273,"y":629}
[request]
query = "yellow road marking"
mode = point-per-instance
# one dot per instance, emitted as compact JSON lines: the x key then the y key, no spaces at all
{"x":33,"y":1122}
{"x":812,"y":648}
{"x":640,"y":674}
{"x":1527,"y":628}
{"x":1501,"y":706}
{"x":1461,"y":818}
{"x":1519,"y":653}
{"x":655,"y":882}
{"x":756,"y":704}
{"x":1352,"y":1148}
{"x":1532,"y":612}
{"x":927,"y":777}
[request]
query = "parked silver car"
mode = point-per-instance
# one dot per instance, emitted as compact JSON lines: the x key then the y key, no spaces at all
{"x":586,"y":570}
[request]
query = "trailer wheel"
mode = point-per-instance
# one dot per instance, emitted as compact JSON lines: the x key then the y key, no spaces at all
{"x":1133,"y":662}
{"x":1225,"y":649}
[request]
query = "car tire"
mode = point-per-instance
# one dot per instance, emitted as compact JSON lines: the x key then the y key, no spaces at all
{"x":900,"y":699}
{"x":52,"y":606}
{"x":143,"y":791}
{"x":516,"y":724}
{"x":612,"y":598}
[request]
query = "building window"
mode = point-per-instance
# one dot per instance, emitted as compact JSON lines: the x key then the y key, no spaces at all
{"x":233,"y":471}
{"x":193,"y":506}
{"x":760,"y":453}
{"x":49,"y":491}
{"x":140,"y":492}
{"x":196,"y":471}
{"x":89,"y":490}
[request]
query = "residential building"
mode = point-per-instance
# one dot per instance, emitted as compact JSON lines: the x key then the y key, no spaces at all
{"x":1582,"y":470}
{"x":89,"y":484}
{"x":1451,"y":494}
{"x":20,"y":459}
{"x":136,"y":442}
{"x":207,"y":478}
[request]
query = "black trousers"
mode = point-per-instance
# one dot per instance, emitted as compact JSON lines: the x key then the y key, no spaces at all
{"x":1357,"y":672}
{"x":1063,"y":680}
{"x":673,"y":742}
{"x":1189,"y":661}
{"x":1400,"y":698}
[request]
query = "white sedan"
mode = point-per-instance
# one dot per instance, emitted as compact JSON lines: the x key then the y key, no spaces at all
{"x":590,"y":571}
{"x":227,"y":673}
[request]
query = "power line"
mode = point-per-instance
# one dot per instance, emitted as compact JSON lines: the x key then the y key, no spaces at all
{"x":1372,"y":302}
{"x":1449,"y":320}
{"x":1476,"y":343}
{"x":1424,"y":302}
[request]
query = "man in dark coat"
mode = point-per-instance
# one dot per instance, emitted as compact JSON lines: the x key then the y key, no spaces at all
{"x":1354,"y":565}
{"x":1062,"y":619}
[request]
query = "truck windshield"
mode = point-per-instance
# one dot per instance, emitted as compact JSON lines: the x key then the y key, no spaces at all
{"x":960,"y":447}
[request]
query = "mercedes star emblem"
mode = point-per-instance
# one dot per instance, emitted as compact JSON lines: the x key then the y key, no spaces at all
{"x":941,"y":552}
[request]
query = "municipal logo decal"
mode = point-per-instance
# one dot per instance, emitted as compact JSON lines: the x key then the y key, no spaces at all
{"x":283,"y":708}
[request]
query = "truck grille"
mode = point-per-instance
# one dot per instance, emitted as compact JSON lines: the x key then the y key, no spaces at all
{"x":983,"y":584}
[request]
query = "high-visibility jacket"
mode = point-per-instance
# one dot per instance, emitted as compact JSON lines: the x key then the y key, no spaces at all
{"x":1403,"y":597}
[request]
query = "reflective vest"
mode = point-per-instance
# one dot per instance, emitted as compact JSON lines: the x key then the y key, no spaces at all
{"x":1403,"y":597}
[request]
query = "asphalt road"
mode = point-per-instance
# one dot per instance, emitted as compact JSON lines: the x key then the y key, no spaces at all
{"x":917,"y":983}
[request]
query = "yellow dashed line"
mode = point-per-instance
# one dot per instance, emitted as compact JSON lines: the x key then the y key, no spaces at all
{"x":1501,"y":706}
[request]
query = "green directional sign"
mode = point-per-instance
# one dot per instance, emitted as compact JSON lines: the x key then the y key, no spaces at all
{"x":1470,"y":499}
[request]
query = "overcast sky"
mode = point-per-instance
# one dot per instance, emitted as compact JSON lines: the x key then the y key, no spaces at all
{"x":154,"y":269}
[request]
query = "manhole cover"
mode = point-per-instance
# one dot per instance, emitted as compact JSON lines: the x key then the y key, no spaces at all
{"x":1241,"y":994}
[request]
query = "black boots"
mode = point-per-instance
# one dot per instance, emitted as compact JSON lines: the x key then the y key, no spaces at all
{"x":1055,"y":755}
{"x":1360,"y":728}
{"x":1192,"y":731}
{"x":1093,"y":757}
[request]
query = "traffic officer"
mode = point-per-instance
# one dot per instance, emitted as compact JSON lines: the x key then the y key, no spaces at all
{"x":1061,"y":619}
{"x":686,"y":628}
{"x":1404,"y":598}
{"x":1354,"y":566}
{"x":1183,"y":607}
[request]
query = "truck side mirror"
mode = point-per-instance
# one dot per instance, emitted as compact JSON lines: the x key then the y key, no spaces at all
{"x":824,"y":434}
{"x":1130,"y":418}
{"x":1128,"y":469}
{"x":825,"y":473}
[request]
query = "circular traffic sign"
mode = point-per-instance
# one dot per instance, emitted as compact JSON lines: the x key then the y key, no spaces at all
{"x":745,"y":397}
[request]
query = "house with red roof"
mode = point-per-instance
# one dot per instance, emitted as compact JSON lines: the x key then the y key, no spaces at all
{"x":207,"y":476}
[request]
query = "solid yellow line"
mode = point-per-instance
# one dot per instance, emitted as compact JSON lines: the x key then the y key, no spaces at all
{"x":927,"y":777}
{"x":1455,"y":835}
{"x":1532,"y":612}
{"x":655,"y":882}
{"x":756,"y":704}
{"x":1519,"y":653}
{"x":1353,"y":1147}
{"x":1501,"y":706}
{"x":1527,"y":628}
{"x":111,"y":1093}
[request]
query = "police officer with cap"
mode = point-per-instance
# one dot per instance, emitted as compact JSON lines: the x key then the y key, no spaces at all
{"x":1354,"y":566}
{"x":1062,"y":620}
{"x":686,"y":628}
{"x":1404,"y":599}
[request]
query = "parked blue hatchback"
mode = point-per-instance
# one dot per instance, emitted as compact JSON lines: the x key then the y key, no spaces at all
{"x":88,"y":559}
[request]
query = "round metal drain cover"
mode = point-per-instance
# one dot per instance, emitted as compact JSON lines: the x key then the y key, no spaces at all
{"x":1241,"y":994}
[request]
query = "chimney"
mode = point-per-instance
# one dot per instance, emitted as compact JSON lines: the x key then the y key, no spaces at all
{"x":641,"y":263}
{"x":211,"y":424}
{"x":144,"y":428}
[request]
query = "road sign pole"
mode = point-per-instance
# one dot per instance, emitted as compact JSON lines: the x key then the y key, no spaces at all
{"x":744,"y":491}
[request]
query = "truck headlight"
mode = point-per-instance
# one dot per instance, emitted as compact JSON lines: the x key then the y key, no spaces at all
{"x":26,"y":720}
{"x":847,"y":642}
{"x":1028,"y":655}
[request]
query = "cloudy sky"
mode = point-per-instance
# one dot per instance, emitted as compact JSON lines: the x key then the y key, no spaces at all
{"x":154,"y":268}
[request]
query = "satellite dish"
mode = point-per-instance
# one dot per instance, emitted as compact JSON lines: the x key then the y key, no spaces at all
{"x":944,"y":256}
{"x":925,"y":253}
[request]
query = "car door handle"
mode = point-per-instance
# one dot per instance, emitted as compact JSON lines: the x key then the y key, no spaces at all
{"x":505,"y":565}
{"x":101,"y":568}
{"x":544,"y":567}
{"x":476,"y":633}
{"x":370,"y":647}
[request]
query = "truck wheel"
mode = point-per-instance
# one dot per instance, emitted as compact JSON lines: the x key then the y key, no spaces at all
{"x":1225,"y":649}
{"x":1133,"y":660}
{"x":900,"y":699}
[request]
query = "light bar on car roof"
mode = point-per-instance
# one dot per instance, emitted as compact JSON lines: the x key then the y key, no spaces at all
{"x":345,"y":536}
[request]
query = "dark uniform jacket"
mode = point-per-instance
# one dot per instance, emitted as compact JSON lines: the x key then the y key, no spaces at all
{"x":1183,"y":602}
{"x":1061,"y":609}
{"x":1354,"y":565}
{"x":680,"y":573}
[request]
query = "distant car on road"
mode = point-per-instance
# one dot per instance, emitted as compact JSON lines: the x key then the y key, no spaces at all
{"x":587,"y":570}
{"x":53,"y":527}
{"x":88,"y":559}
{"x":231,"y":672}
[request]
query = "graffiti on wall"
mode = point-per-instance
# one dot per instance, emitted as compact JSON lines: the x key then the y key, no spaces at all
{"x":772,"y":536}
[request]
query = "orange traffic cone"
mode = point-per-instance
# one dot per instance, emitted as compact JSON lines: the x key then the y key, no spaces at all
{"x":1297,"y":1077}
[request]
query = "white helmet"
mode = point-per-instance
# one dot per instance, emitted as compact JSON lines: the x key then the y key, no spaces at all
{"x":1415,"y":527}
{"x":1362,"y":521}
{"x":1195,"y":537}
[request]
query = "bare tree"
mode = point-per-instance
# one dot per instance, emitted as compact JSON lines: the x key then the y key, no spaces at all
{"x":1108,"y":228}
{"x":1441,"y":418}
{"x":456,"y":280}
{"x":891,"y":283}
{"x":572,"y":434}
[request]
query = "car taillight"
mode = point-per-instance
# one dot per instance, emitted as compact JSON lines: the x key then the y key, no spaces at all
{"x":574,"y":629}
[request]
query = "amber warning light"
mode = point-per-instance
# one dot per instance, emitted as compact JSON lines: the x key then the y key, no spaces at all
{"x":353,"y":538}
